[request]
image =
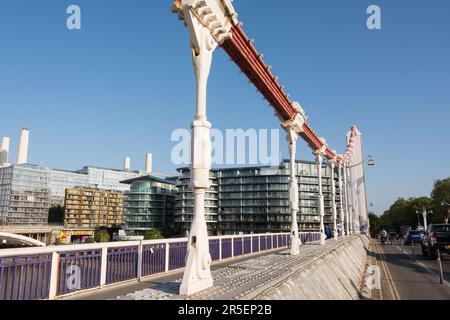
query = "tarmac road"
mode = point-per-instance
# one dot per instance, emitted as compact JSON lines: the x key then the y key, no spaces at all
{"x":408,"y":276}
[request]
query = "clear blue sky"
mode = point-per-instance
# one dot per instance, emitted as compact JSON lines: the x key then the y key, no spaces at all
{"x":122,"y":84}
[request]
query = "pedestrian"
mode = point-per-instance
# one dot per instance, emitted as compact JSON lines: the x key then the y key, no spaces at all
{"x":328,"y":232}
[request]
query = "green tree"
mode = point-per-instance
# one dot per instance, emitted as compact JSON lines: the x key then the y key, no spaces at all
{"x":441,"y":192}
{"x":90,"y":240}
{"x":401,"y":212}
{"x":56,"y":215}
{"x":153,"y":235}
{"x":102,"y":236}
{"x":374,"y":221}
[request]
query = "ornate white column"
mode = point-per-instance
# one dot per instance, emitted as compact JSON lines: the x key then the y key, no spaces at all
{"x":197,"y":275}
{"x":293,"y":127}
{"x":347,"y":224}
{"x":319,"y":157}
{"x":333,"y":199}
{"x":293,"y":193}
{"x":341,"y":198}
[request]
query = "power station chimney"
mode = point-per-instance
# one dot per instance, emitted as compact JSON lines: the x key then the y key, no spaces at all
{"x":149,"y":163}
{"x":22,"y":154}
{"x":4,"y":151}
{"x":127,"y":164}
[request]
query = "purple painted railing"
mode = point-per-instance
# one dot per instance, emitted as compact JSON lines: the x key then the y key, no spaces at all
{"x":214,"y":249}
{"x":237,"y":247}
{"x":177,"y":255}
{"x":255,"y":244}
{"x":25,"y":277}
{"x":122,"y":264}
{"x":79,"y":270}
{"x":247,"y":245}
{"x":153,"y":259}
{"x":269,"y":242}
{"x":262,"y":243}
{"x":33,"y":274}
{"x":226,"y":248}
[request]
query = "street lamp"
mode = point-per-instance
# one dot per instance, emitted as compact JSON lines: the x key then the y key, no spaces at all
{"x":424,"y":214}
{"x":369,"y":159}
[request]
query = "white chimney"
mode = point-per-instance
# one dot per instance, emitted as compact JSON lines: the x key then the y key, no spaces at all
{"x":4,"y":151}
{"x":149,"y":163}
{"x":22,"y":154}
{"x":127,"y":164}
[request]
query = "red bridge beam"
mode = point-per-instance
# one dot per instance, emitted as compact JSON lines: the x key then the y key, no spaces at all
{"x":244,"y":54}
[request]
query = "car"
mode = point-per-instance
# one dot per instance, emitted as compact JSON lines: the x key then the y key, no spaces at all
{"x":436,"y":237}
{"x":414,"y":236}
{"x":393,"y":234}
{"x":404,"y":230}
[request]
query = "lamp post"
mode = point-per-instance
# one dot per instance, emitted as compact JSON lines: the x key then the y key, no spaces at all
{"x":369,"y":159}
{"x":424,"y":215}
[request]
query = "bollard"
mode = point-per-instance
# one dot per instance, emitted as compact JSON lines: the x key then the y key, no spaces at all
{"x":439,"y":262}
{"x":403,"y":250}
{"x":413,"y":252}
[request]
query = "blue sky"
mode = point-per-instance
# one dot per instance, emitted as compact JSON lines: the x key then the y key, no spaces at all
{"x":123,"y":83}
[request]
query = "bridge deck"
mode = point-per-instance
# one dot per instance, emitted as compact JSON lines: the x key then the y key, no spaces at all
{"x":244,"y":279}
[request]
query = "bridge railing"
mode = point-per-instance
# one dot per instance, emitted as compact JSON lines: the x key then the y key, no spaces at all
{"x":49,"y":272}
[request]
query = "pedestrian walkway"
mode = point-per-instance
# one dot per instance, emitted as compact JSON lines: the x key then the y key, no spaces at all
{"x":247,"y":279}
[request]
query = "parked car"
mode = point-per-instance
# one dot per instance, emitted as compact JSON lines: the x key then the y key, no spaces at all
{"x":414,"y":236}
{"x":436,"y":237}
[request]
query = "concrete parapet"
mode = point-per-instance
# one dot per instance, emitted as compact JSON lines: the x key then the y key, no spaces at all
{"x":333,"y":275}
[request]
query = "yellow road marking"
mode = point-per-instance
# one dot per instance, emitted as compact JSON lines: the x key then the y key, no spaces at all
{"x":391,"y":284}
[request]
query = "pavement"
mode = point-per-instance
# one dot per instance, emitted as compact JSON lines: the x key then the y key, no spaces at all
{"x":237,"y":279}
{"x":407,"y":275}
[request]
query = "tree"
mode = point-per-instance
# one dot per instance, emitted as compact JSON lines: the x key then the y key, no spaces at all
{"x":90,"y":240}
{"x":153,"y":235}
{"x":403,"y":212}
{"x":441,"y":192}
{"x":56,"y":214}
{"x":102,"y":236}
{"x":374,"y":221}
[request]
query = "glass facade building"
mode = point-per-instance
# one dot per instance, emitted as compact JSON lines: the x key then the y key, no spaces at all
{"x":255,"y":199}
{"x":150,"y":204}
{"x":28,"y":191}
{"x":184,"y":207}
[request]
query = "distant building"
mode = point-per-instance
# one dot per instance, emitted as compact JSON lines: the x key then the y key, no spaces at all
{"x":184,"y":207}
{"x":255,"y":199}
{"x":24,"y":195}
{"x":28,"y":191}
{"x":150,"y":204}
{"x":93,"y":208}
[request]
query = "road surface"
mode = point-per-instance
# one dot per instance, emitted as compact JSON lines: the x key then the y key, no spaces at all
{"x":407,"y":275}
